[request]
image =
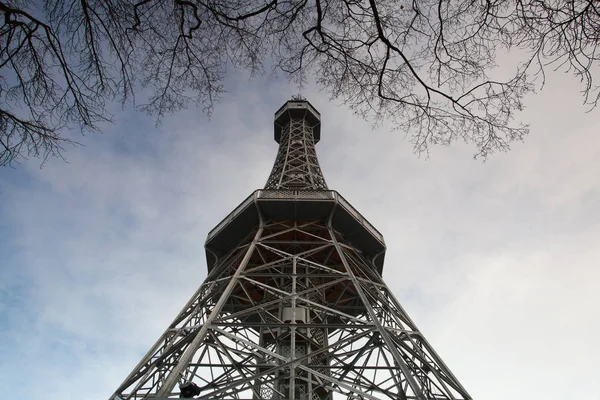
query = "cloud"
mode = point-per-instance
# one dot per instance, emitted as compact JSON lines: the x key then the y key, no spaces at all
{"x":495,"y":262}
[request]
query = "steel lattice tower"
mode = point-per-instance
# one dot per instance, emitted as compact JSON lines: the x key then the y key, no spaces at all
{"x":294,"y":305}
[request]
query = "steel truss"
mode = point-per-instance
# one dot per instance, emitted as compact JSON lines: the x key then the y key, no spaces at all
{"x":293,"y":312}
{"x":294,"y":305}
{"x":296,"y":164}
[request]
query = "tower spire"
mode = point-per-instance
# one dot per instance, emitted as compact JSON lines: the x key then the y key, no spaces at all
{"x":297,"y":130}
{"x":294,"y":306}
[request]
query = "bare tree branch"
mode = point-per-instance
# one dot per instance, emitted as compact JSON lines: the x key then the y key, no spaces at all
{"x":425,"y":65}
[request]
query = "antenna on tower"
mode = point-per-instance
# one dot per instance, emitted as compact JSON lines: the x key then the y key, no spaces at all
{"x":298,"y":97}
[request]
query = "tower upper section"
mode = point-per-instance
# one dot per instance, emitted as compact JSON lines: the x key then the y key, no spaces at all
{"x":297,"y":130}
{"x":296,"y":191}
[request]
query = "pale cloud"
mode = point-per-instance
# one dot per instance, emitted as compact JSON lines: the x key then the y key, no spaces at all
{"x":496,"y":262}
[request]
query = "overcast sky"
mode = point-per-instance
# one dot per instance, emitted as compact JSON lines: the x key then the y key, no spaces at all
{"x":496,"y":262}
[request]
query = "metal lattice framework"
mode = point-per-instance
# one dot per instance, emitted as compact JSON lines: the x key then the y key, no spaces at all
{"x":295,"y":309}
{"x":296,"y":166}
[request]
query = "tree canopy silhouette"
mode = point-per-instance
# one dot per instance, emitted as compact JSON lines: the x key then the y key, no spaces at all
{"x":425,"y":65}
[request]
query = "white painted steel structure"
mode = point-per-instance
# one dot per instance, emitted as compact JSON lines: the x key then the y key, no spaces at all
{"x":294,"y":305}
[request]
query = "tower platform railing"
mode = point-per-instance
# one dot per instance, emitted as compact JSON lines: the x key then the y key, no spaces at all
{"x":231,"y":216}
{"x":296,"y":195}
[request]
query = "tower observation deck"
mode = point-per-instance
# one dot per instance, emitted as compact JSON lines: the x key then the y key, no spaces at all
{"x":294,"y":305}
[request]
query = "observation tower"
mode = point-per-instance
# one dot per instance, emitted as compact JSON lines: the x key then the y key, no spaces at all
{"x":294,"y":305}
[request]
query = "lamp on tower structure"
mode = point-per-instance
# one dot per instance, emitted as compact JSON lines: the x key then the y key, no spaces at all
{"x":294,"y":305}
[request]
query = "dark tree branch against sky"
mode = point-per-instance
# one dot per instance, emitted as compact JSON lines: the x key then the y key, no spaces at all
{"x":428,"y":66}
